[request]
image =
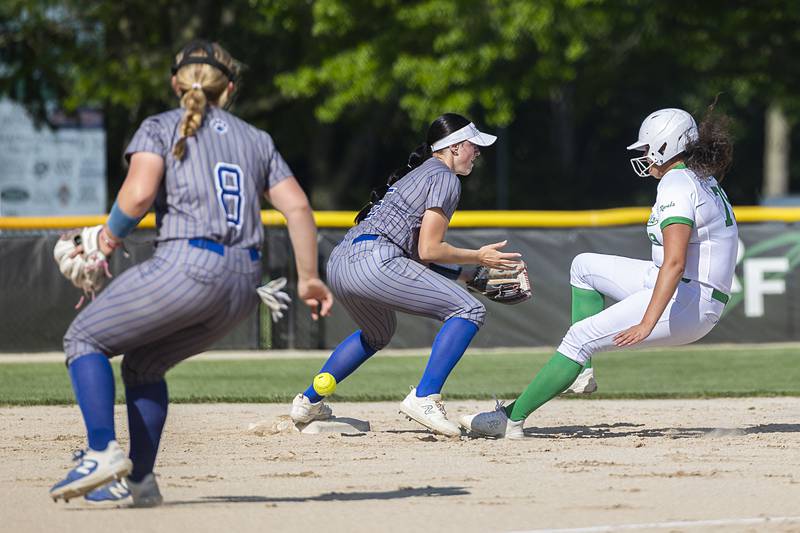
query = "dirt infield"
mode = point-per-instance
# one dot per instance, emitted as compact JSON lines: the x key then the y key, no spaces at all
{"x":713,"y":465}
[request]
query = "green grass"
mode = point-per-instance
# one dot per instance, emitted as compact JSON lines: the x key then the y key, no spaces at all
{"x":681,"y":373}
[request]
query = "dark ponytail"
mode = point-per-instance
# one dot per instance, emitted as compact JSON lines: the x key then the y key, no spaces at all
{"x":711,"y":153}
{"x":417,"y":157}
{"x":438,"y":130}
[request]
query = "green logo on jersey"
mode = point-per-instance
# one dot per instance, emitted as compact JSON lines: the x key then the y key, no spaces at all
{"x":654,"y":239}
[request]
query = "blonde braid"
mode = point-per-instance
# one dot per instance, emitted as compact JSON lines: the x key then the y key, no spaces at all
{"x":194,"y":102}
{"x":201,"y":85}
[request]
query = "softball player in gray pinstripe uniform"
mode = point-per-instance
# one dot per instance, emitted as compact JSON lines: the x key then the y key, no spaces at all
{"x":206,"y":171}
{"x":381,"y":267}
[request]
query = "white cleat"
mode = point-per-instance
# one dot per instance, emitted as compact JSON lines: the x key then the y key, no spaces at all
{"x":95,"y":468}
{"x":584,"y":383}
{"x":429,"y":411}
{"x":493,"y":424}
{"x":304,"y":412}
{"x":127,"y":493}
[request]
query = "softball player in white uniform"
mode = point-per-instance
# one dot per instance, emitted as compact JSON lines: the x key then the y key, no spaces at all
{"x":676,"y":298}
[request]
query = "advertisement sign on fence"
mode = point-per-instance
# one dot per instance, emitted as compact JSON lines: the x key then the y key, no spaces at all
{"x":46,"y":171}
{"x":764,"y":304}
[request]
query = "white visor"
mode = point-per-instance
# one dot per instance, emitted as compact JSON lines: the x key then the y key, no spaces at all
{"x":638,"y":145}
{"x":467,"y":133}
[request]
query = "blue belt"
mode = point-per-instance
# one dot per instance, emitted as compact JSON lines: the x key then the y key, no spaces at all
{"x":219,"y":249}
{"x":365,"y":237}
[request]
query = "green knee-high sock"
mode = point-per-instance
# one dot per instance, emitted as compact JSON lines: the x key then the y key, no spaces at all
{"x":586,"y":303}
{"x":554,"y":377}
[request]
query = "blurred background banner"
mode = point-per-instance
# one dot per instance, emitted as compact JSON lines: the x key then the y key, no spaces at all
{"x":37,"y":302}
{"x":51,"y":170}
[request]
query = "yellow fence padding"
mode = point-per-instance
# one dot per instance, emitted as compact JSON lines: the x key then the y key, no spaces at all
{"x":462,"y":219}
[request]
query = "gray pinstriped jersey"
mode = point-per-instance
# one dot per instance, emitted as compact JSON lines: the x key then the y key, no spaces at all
{"x":214,"y":193}
{"x":398,"y":216}
{"x":372,"y":279}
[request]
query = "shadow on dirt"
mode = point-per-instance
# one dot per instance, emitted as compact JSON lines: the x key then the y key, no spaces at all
{"x":401,"y":493}
{"x":625,"y":429}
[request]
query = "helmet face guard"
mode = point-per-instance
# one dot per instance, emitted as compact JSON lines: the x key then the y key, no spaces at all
{"x":642,"y":165}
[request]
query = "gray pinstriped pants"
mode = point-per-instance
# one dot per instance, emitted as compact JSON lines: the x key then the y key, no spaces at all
{"x":373,"y":279}
{"x":166,"y":309}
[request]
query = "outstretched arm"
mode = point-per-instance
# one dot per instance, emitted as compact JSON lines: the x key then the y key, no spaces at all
{"x":288,"y":197}
{"x":433,"y":249}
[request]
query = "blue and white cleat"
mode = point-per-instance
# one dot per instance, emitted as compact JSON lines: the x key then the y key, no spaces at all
{"x":94,"y":468}
{"x":429,"y":411}
{"x":112,"y":494}
{"x":127,"y":493}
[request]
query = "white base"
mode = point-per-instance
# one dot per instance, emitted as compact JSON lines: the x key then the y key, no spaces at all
{"x":284,"y":424}
{"x":335,"y":425}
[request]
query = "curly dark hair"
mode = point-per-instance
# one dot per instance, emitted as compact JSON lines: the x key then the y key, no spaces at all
{"x":711,"y":153}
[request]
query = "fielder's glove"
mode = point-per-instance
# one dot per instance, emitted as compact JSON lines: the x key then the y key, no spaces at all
{"x":79,"y":258}
{"x":274,"y":298}
{"x":502,"y":286}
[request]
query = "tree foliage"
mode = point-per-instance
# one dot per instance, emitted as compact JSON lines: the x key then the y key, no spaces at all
{"x":347,"y":87}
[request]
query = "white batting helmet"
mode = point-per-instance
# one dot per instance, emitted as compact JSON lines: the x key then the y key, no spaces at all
{"x":663,"y":135}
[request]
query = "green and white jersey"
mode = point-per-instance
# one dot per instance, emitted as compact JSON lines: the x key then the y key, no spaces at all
{"x":683,"y":198}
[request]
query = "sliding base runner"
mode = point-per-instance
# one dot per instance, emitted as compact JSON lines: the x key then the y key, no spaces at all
{"x":677,"y":297}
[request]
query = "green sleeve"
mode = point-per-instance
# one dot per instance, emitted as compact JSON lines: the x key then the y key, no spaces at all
{"x":676,"y":220}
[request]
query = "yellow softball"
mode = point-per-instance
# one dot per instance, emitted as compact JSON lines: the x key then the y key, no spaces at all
{"x":324,"y":384}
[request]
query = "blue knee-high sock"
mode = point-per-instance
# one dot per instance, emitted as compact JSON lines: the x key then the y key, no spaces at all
{"x":448,"y":347}
{"x":348,"y":356}
{"x":93,"y":383}
{"x":147,"y":412}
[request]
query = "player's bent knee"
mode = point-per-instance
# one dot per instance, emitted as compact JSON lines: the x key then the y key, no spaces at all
{"x":580,"y":267}
{"x":133,"y":376}
{"x":573,"y":345}
{"x":377,"y":341}
{"x":76,"y":343}
{"x":479,"y":314}
{"x":476,"y":313}
{"x":377,"y":344}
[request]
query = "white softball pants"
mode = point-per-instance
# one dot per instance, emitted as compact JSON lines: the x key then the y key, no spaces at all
{"x":690,"y":314}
